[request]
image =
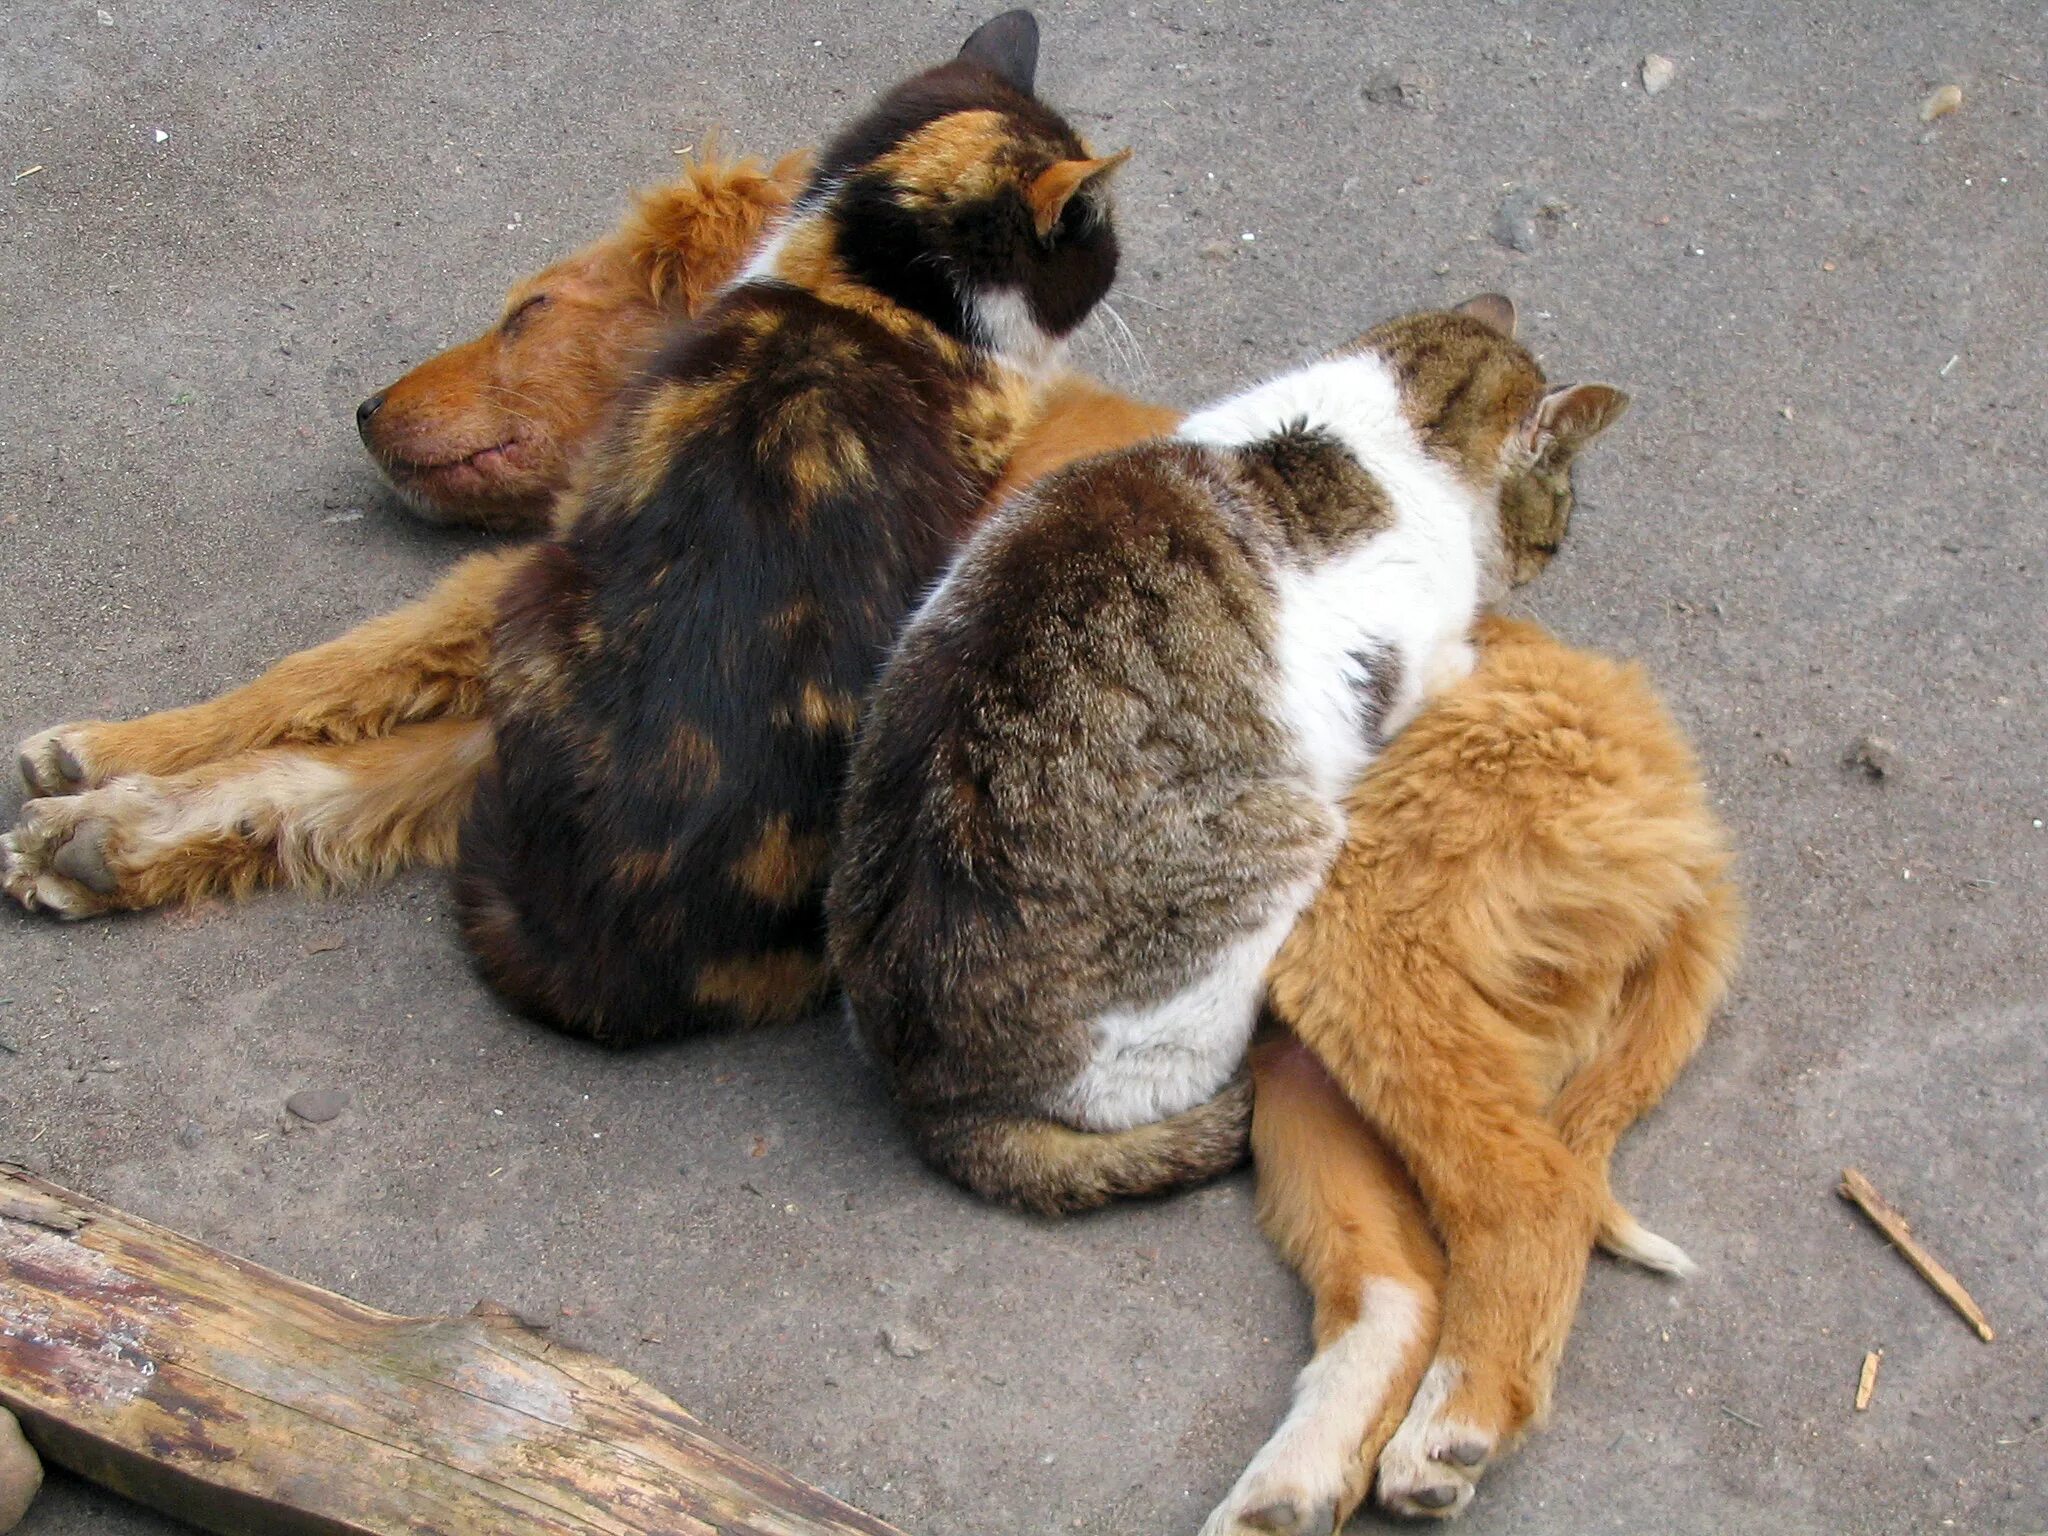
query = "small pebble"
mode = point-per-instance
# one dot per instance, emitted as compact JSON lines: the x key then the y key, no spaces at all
{"x":1514,"y":226}
{"x":1877,"y":757}
{"x":162,"y":137}
{"x":1658,"y":72}
{"x":1940,"y":103}
{"x":317,"y":1106}
{"x":904,"y":1342}
{"x":21,"y":1473}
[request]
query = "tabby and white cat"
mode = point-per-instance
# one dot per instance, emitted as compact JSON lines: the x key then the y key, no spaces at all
{"x":1103,"y":773}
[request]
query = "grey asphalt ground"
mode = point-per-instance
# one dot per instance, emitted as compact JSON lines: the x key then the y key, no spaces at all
{"x":1823,"y":518}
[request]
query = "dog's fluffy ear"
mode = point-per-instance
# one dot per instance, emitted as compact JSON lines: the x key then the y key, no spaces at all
{"x":679,"y":236}
{"x":1009,"y":46}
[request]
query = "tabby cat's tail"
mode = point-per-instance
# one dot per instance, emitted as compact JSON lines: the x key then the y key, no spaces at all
{"x":1042,"y":1165}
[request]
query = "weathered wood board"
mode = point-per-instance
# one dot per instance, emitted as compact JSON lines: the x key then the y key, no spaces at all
{"x":250,"y":1403}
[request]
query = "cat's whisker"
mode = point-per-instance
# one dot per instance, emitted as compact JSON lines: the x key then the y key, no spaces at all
{"x":1141,"y":366}
{"x":1113,"y":344}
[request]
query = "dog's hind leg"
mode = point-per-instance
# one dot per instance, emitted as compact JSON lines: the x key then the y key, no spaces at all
{"x":1442,"y":1078}
{"x":1658,"y":1022}
{"x":419,"y":662}
{"x":309,"y":816}
{"x":1343,"y":1212}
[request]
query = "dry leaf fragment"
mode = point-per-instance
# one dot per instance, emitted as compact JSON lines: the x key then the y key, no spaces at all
{"x":1941,"y":102}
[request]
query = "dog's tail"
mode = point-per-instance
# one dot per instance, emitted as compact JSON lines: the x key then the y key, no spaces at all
{"x":1042,"y":1165}
{"x":1626,"y":1238}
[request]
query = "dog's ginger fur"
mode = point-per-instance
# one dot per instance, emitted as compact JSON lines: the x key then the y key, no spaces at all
{"x":1519,"y":948}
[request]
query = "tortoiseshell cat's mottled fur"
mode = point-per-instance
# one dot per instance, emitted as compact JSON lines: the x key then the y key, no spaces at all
{"x":1103,"y":772}
{"x":677,"y":673}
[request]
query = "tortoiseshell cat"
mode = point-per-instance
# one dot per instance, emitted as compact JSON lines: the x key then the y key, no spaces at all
{"x":677,"y":673}
{"x":1103,"y":773}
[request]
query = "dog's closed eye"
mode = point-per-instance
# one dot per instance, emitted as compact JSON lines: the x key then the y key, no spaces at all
{"x":521,"y":313}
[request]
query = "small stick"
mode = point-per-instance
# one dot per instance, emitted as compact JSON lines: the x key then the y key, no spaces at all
{"x":1866,"y":1384}
{"x":1862,"y":1194}
{"x":1740,"y":1418}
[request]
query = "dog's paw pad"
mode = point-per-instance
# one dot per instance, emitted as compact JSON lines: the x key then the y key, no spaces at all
{"x":1467,"y":1453}
{"x":1288,"y":1517}
{"x":1431,"y":1491}
{"x":83,"y":857}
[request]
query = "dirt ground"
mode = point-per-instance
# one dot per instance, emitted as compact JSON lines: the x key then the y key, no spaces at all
{"x":223,"y":223}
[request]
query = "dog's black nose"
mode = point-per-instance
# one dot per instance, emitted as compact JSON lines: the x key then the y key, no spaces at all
{"x":369,"y":408}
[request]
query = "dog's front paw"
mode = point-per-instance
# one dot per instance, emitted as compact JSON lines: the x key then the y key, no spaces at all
{"x":58,"y":761}
{"x":60,"y":859}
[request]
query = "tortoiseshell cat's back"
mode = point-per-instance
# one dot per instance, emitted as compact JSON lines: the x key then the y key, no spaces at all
{"x":678,"y":674}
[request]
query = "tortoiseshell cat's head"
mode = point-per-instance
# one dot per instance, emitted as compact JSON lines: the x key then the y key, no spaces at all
{"x":1478,"y":399}
{"x":963,"y":198}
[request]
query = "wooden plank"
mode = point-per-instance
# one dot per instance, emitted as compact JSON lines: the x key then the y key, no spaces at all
{"x":245,"y":1401}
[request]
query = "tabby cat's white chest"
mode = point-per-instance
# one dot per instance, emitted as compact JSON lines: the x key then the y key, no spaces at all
{"x":1154,"y":1061}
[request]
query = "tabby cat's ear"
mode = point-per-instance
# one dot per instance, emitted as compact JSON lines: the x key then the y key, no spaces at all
{"x":1571,"y":416}
{"x":1496,"y":311}
{"x":1009,"y":46}
{"x":1051,"y":189}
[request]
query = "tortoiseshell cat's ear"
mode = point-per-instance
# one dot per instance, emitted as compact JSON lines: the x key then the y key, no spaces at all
{"x":1009,"y":46}
{"x":1496,"y":311}
{"x":1053,"y":188}
{"x":1569,"y":417}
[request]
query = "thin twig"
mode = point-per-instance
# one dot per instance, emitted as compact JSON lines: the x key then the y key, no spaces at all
{"x":1740,"y":1418}
{"x":1862,"y":1194}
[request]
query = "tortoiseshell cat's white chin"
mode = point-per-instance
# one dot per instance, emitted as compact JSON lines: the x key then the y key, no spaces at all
{"x":1006,"y":326}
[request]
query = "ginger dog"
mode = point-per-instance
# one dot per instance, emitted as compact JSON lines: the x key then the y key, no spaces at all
{"x":358,"y":757}
{"x":1517,"y":951}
